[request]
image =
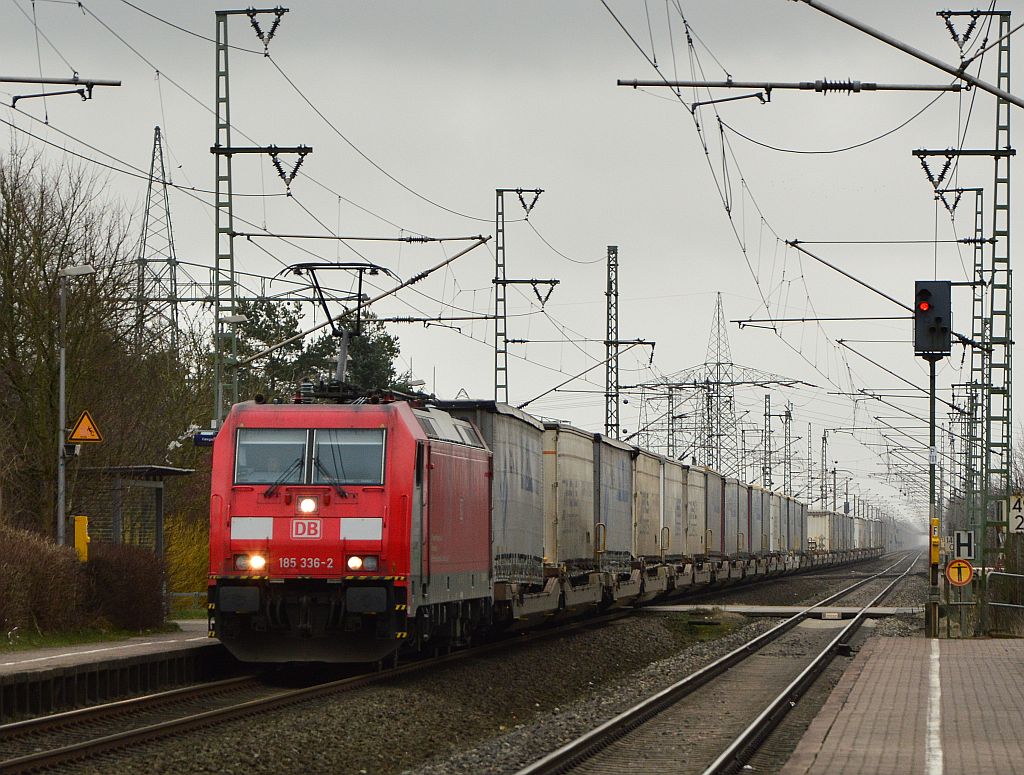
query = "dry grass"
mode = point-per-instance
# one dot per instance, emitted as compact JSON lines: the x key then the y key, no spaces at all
{"x":187,"y":553}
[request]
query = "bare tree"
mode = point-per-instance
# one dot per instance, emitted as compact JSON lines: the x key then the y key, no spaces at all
{"x":52,"y":218}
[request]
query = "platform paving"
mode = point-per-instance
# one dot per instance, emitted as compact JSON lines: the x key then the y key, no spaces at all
{"x":918,"y":707}
{"x":193,"y":634}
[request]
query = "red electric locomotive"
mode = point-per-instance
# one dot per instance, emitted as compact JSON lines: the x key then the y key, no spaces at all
{"x":340,"y":531}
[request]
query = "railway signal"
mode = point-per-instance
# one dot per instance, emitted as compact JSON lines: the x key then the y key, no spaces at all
{"x":933,"y":342}
{"x":932,"y":317}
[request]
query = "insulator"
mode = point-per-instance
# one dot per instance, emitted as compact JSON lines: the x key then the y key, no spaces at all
{"x":824,"y":86}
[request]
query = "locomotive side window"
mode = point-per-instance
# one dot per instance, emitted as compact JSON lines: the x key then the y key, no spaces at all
{"x":269,"y":455}
{"x":429,"y":427}
{"x":348,"y":456}
{"x":469,"y":435}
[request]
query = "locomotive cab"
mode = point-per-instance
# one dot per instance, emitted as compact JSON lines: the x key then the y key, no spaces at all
{"x":306,"y":560}
{"x":329,"y":523}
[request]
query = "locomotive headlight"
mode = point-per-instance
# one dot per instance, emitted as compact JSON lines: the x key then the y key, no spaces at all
{"x":257,"y":562}
{"x":307,"y":505}
{"x":362,"y":563}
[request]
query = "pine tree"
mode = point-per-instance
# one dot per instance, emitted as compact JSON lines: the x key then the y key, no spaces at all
{"x":372,"y":353}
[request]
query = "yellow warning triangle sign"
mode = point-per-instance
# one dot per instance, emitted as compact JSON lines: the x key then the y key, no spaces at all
{"x":86,"y":431}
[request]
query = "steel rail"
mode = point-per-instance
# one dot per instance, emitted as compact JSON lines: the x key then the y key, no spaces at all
{"x":129,"y":738}
{"x":750,"y":739}
{"x":701,"y":592}
{"x":584,"y":747}
{"x":50,"y":722}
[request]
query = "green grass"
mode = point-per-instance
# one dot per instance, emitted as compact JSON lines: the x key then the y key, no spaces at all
{"x":188,"y":613}
{"x":22,"y":640}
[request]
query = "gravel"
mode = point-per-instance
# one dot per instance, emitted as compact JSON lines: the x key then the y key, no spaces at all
{"x":799,"y":589}
{"x":527,"y":742}
{"x":487,"y":700}
{"x":489,"y":714}
{"x":506,"y":753}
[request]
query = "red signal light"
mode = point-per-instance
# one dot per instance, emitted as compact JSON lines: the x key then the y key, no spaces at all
{"x":923,"y":306}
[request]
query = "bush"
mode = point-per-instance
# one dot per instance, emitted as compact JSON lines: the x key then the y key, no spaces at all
{"x":42,"y":586}
{"x":127,"y":586}
{"x":45,"y":589}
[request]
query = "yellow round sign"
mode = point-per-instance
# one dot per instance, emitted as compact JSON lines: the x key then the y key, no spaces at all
{"x":959,"y":573}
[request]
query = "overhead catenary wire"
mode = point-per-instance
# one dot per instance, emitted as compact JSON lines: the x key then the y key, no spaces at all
{"x":776,"y":295}
{"x":385,"y":294}
{"x":194,"y":194}
{"x":458,"y":331}
{"x":39,"y":62}
{"x":191,"y":96}
{"x":187,"y":31}
{"x":884,"y":37}
{"x":131,"y":171}
{"x":572,"y":378}
{"x":559,"y":252}
{"x":364,"y":155}
{"x":843,"y":149}
{"x":727,"y":204}
{"x":32,"y":20}
{"x":723,"y":186}
{"x":727,"y":207}
{"x":141,"y":175}
{"x":462,"y":238}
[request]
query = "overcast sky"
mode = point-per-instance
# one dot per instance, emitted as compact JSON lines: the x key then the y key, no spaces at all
{"x":453,"y":99}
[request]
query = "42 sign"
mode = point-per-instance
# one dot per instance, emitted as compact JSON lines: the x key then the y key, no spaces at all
{"x":1016,"y":513}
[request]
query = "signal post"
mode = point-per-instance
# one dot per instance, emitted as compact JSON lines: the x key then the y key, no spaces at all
{"x":932,"y":341}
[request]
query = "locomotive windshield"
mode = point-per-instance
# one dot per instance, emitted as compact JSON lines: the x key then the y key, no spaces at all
{"x":270,"y":455}
{"x":279,"y":456}
{"x":348,"y":456}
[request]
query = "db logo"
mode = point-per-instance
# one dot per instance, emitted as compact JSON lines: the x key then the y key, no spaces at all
{"x":306,"y":528}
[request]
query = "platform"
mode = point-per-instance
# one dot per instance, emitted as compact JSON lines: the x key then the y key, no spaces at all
{"x":46,"y":680}
{"x":193,"y":633}
{"x":824,"y":612}
{"x":921,"y":707}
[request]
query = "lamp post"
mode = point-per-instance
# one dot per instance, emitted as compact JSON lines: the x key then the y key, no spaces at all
{"x":69,"y":271}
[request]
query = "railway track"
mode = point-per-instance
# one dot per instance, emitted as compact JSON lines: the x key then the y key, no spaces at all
{"x":738,"y":590}
{"x":713,"y":720}
{"x":47,"y":741}
{"x":63,"y":738}
{"x":75,"y":736}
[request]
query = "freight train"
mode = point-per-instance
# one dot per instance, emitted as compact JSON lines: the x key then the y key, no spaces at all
{"x":345,"y":532}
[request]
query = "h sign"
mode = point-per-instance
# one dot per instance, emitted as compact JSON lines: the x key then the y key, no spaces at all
{"x":963,"y":545}
{"x":305,"y":528}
